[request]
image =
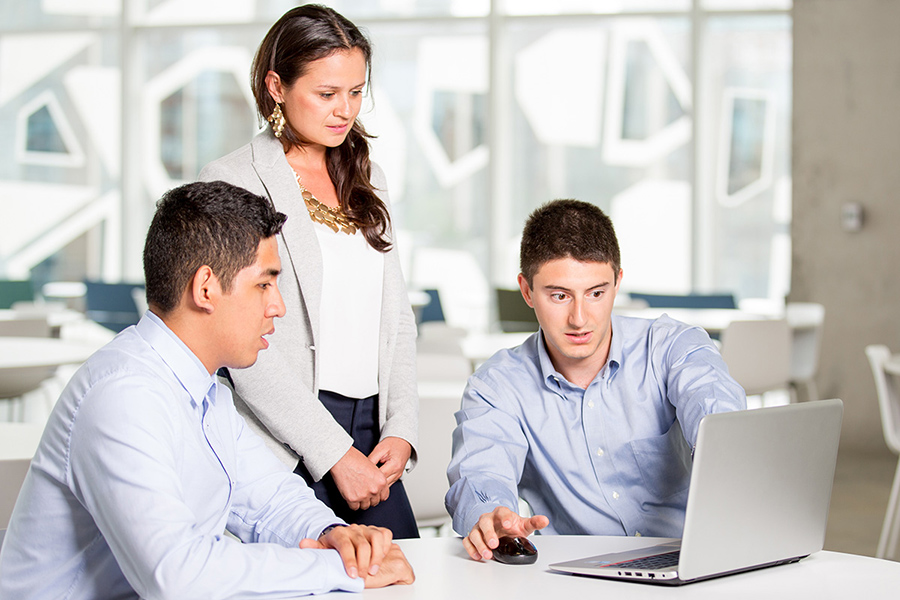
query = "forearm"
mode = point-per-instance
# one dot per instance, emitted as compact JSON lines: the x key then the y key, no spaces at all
{"x":489,"y":452}
{"x":699,"y":384}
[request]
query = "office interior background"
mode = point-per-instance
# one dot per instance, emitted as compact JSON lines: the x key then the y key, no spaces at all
{"x":726,"y":138}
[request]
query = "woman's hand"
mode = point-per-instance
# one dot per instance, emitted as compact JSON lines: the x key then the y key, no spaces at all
{"x":359,"y":480}
{"x":391,"y":455}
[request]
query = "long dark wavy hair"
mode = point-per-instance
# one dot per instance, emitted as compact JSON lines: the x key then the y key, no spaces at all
{"x":302,"y":35}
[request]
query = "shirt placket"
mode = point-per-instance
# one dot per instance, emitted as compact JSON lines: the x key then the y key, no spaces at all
{"x":598,"y":443}
{"x":213,"y":438}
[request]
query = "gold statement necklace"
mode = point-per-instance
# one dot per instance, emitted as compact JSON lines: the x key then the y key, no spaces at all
{"x":334,"y":218}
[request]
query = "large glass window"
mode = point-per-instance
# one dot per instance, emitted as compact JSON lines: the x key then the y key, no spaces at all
{"x":671,"y":115}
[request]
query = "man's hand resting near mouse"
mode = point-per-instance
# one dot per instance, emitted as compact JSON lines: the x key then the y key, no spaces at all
{"x":486,"y":534}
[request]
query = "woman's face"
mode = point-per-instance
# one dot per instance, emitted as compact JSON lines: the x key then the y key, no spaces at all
{"x":322,"y":105}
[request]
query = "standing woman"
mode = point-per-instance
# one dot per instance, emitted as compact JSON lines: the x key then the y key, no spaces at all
{"x":335,"y":395}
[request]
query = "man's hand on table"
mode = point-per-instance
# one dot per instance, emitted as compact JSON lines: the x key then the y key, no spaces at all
{"x":486,"y":534}
{"x":369,"y":551}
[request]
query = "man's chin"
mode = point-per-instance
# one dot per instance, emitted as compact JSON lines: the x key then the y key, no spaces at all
{"x":244,"y":363}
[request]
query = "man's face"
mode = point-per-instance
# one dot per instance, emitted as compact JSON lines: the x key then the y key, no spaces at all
{"x":573,"y":303}
{"x":247,"y":313}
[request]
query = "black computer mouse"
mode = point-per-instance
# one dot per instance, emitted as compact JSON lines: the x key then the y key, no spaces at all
{"x":515,"y":551}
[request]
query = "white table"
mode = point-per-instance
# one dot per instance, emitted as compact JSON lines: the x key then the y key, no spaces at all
{"x":26,"y":362}
{"x":445,"y":572}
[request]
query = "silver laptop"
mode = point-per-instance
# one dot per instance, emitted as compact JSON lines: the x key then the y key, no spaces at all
{"x":759,"y":496}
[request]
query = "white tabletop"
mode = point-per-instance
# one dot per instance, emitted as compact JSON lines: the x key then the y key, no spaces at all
{"x":55,"y":314}
{"x":444,"y":571}
{"x":25,"y":362}
{"x":16,"y":352}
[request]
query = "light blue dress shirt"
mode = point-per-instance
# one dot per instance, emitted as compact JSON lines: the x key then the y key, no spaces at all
{"x":142,"y":466}
{"x":607,"y":460}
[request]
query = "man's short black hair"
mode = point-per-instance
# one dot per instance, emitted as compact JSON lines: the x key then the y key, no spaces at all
{"x":205,"y":223}
{"x":567,"y":229}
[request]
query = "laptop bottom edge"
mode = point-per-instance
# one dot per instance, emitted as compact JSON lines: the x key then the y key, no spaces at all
{"x":651,"y":578}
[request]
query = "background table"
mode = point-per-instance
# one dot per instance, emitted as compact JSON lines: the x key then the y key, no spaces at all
{"x":444,"y":571}
{"x":25,"y":362}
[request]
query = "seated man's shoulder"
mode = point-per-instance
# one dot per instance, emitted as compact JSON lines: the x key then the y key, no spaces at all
{"x":663,"y":329}
{"x":124,"y":372}
{"x":509,"y":374}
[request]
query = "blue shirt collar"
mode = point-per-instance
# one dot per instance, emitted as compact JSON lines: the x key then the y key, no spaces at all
{"x":552,"y":377}
{"x":191,"y":373}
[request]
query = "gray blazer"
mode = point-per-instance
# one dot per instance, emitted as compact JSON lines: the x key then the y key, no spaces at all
{"x":278,"y":396}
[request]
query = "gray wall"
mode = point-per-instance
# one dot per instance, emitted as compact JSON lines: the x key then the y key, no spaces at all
{"x":846,"y":148}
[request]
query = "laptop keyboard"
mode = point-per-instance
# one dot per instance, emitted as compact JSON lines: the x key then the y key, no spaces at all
{"x":657,"y":561}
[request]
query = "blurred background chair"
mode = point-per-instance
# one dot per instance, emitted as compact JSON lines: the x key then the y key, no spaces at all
{"x":112,"y":304}
{"x":686,"y":300}
{"x":886,"y":369}
{"x":758,"y":355}
{"x":442,"y":378}
{"x":806,"y":320}
{"x":15,"y":291}
{"x":514,"y":313}
{"x":432,"y":311}
{"x":18,"y":442}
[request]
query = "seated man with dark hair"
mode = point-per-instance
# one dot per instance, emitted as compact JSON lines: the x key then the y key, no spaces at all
{"x":144,"y":463}
{"x":592,"y":419}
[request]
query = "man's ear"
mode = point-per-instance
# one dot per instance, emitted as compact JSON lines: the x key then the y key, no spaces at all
{"x":205,"y":289}
{"x":273,"y":84}
{"x":526,"y":290}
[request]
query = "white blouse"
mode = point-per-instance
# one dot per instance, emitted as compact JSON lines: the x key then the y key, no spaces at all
{"x":350,"y":323}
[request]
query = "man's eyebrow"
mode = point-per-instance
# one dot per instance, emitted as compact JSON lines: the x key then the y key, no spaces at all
{"x":562,"y":288}
{"x":271,"y":272}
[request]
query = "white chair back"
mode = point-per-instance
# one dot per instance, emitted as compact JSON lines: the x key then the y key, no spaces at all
{"x":758,"y":354}
{"x":441,"y":367}
{"x":886,"y":386}
{"x":427,"y":485}
{"x":436,"y":337}
{"x":806,"y":320}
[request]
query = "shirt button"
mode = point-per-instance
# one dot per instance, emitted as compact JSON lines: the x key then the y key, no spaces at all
{"x":599,"y":451}
{"x":591,"y":404}
{"x":615,"y":495}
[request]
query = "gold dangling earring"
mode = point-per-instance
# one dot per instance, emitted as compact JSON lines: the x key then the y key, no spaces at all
{"x":277,"y":120}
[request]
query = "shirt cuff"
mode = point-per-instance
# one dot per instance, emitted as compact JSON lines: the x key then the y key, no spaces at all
{"x":342,"y":581}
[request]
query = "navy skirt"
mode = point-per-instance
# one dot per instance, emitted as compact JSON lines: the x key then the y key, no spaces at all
{"x":359,"y":418}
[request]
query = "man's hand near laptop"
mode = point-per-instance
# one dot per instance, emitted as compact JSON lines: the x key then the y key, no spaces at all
{"x":500,"y":522}
{"x":367,"y":550}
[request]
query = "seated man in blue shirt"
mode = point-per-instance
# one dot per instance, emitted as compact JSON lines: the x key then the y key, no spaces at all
{"x":144,"y":462}
{"x":592,"y":419}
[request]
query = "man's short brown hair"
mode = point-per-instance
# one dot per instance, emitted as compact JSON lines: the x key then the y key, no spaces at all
{"x":567,"y":229}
